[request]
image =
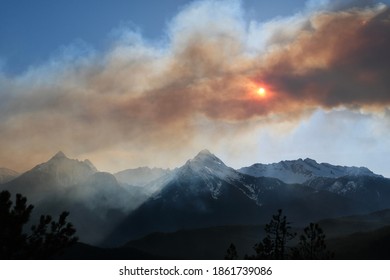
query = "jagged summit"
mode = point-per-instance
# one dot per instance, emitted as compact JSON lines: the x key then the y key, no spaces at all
{"x":61,"y":158}
{"x":309,"y":160}
{"x":60,"y":171}
{"x":205,"y":164}
{"x":300,"y":171}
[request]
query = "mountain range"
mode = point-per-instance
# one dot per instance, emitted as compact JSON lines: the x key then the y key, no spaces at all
{"x":112,"y":209}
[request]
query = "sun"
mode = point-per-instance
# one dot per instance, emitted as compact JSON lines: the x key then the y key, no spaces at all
{"x":261,"y":92}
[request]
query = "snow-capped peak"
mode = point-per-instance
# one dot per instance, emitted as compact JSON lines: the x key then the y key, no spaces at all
{"x":206,"y":163}
{"x":60,"y":159}
{"x":204,"y":157}
{"x":300,"y":171}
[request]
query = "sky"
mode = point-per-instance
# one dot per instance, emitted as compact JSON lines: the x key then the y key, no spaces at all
{"x":151,"y":83}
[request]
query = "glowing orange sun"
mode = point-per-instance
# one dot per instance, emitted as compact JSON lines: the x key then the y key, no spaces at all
{"x":261,"y":92}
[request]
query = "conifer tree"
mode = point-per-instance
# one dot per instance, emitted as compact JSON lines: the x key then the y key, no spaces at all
{"x":312,"y":245}
{"x":231,"y":253}
{"x":45,"y":240}
{"x":274,"y":245}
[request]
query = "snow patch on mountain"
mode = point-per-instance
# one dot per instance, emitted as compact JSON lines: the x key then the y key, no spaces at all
{"x":206,"y":164}
{"x":300,"y":171}
{"x":211,"y":170}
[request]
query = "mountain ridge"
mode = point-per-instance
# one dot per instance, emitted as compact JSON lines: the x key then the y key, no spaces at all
{"x":7,"y":175}
{"x":299,"y":171}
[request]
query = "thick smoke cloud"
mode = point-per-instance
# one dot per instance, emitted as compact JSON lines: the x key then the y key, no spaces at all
{"x":339,"y":61}
{"x":146,"y":97}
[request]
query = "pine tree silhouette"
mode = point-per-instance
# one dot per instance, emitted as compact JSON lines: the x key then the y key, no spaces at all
{"x":312,"y":245}
{"x":274,"y":245}
{"x":231,"y":253}
{"x":47,"y":239}
{"x":12,"y":238}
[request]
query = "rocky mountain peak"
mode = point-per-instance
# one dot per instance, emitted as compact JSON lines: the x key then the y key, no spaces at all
{"x":204,"y":157}
{"x":59,"y":155}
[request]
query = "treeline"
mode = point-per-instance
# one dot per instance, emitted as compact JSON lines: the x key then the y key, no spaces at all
{"x":279,"y":234}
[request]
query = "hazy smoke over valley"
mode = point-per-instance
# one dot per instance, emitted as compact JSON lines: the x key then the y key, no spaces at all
{"x":197,"y":84}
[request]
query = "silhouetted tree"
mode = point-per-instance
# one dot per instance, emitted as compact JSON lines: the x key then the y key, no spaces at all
{"x":278,"y":235}
{"x":312,"y":245}
{"x":231,"y":253}
{"x":45,"y":240}
{"x":12,"y":219}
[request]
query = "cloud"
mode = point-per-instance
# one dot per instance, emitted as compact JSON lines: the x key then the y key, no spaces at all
{"x":339,"y":61}
{"x":145,"y":98}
